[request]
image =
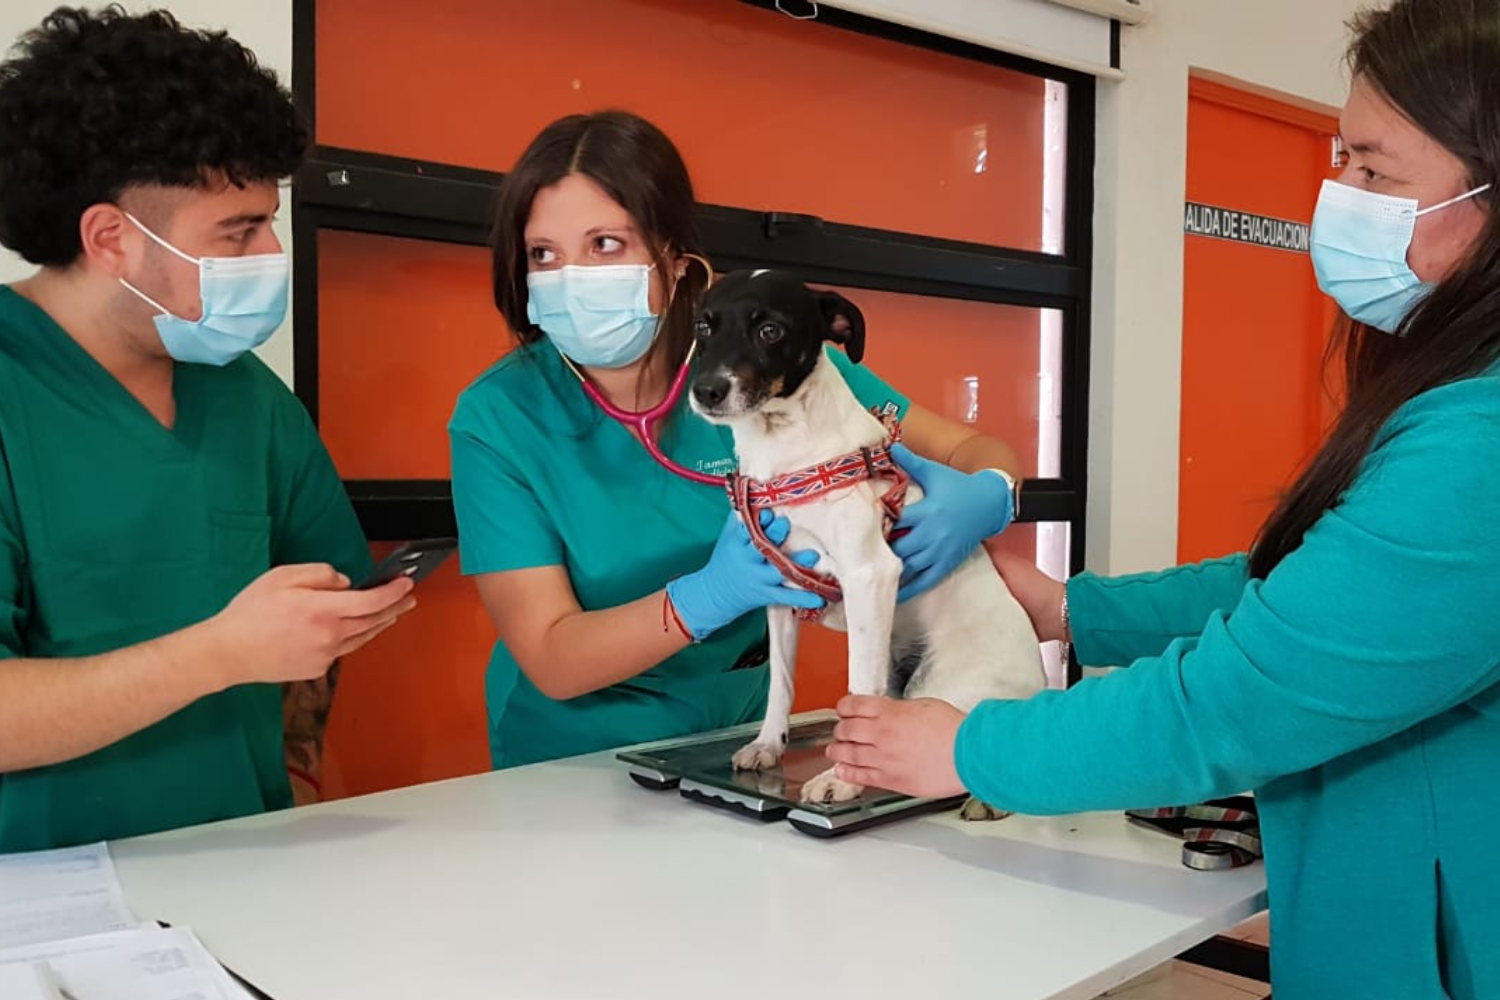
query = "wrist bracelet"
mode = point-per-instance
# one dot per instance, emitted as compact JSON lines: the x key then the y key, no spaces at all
{"x":1065,"y":650}
{"x":670,"y":617}
{"x":297,"y":772}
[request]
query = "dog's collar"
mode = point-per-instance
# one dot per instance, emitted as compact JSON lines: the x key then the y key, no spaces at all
{"x":750,"y":496}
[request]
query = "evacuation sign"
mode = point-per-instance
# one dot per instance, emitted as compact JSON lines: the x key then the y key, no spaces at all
{"x":1243,"y":227}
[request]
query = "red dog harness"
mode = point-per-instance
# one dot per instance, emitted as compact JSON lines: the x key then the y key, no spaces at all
{"x":750,"y":496}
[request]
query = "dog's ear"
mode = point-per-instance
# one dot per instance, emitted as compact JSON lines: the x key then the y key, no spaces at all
{"x":844,"y":324}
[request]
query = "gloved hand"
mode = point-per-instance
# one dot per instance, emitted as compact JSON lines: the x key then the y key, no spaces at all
{"x":738,"y":579}
{"x":958,"y":510}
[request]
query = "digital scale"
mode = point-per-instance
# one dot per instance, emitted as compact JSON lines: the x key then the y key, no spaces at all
{"x":699,"y":767}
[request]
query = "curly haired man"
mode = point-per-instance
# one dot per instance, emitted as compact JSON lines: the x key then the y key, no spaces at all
{"x":175,"y":545}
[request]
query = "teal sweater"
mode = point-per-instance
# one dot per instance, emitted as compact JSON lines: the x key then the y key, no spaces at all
{"x":1356,"y":690}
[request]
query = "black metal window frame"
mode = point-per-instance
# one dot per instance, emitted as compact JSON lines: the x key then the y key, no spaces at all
{"x":369,"y":192}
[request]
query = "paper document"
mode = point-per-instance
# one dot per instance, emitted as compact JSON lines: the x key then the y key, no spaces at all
{"x":51,"y":895}
{"x":148,"y":963}
{"x":27,"y":982}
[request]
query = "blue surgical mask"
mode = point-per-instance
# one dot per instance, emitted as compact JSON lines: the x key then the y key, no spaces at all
{"x":597,"y":316}
{"x":1360,"y":240}
{"x":244,"y":301}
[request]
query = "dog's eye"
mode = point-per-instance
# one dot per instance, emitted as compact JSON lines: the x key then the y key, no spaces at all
{"x":768,"y":333}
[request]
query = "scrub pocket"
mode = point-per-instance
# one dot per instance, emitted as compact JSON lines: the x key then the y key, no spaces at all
{"x":239,"y":551}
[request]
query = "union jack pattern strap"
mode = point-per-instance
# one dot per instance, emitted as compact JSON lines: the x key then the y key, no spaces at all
{"x":750,"y":496}
{"x":822,"y":584}
{"x":808,"y":484}
{"x":1218,"y":834}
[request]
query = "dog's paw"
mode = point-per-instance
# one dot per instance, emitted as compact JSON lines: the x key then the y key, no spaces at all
{"x":756,"y":757}
{"x":975,"y":811}
{"x":826,"y":788}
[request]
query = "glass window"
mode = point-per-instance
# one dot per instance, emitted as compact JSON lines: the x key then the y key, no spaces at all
{"x":770,"y":113}
{"x":977,"y":363}
{"x":405,"y":325}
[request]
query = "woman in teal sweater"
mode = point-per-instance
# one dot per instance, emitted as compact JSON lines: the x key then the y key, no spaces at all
{"x":1348,"y":669}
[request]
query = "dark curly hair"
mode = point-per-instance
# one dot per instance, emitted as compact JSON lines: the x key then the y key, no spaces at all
{"x":93,"y":102}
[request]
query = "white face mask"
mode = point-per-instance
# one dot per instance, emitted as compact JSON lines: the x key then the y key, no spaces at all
{"x":1360,"y":241}
{"x":244,"y":302}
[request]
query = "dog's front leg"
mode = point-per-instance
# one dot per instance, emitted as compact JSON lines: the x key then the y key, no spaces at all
{"x":869,"y":575}
{"x":870,"y":609}
{"x":769,"y":745}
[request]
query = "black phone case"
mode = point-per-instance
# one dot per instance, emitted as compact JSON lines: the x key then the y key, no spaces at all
{"x":414,"y":559}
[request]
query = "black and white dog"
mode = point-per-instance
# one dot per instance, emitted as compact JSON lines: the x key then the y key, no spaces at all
{"x":762,"y":372}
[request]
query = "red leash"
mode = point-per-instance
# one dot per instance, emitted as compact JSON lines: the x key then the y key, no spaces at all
{"x":750,"y":496}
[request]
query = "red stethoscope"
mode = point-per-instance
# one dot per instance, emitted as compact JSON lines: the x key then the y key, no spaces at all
{"x":642,"y":421}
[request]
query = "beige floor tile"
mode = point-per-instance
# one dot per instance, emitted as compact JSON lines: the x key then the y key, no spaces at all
{"x":1180,"y":981}
{"x":1249,"y":986}
{"x":1149,"y":976}
{"x":1257,"y":929}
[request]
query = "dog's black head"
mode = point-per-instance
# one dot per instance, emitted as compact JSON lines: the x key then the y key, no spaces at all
{"x":759,"y":336}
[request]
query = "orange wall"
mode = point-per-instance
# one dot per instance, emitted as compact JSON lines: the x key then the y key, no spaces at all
{"x":847,"y":127}
{"x":403,"y":327}
{"x":410,"y":706}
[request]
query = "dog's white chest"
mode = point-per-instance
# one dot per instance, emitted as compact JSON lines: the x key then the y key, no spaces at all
{"x":844,"y":529}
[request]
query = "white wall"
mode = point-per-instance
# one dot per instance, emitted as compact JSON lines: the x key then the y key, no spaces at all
{"x":1291,"y":47}
{"x":265,"y":26}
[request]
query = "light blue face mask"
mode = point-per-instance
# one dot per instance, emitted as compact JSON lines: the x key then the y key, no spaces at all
{"x":596,"y":316}
{"x":244,"y":301}
{"x":1360,"y":240}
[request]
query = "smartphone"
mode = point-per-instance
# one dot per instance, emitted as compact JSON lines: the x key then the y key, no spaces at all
{"x":414,"y":559}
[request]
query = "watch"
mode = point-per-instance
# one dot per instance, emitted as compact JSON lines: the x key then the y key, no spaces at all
{"x":1015,"y":491}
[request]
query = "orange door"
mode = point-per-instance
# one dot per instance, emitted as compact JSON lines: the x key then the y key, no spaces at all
{"x":1255,"y":326}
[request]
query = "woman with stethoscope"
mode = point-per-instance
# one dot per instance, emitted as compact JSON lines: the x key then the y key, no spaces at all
{"x":605,"y":556}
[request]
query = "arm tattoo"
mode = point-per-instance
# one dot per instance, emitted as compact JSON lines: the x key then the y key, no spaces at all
{"x":305,"y":706}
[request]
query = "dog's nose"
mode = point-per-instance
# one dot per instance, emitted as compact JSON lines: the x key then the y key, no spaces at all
{"x":710,"y":390}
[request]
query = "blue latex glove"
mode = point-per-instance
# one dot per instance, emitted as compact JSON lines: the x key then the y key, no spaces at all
{"x":738,"y":579}
{"x":958,"y":510}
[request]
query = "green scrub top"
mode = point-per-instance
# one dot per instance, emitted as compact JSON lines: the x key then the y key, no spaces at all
{"x":115,"y":530}
{"x":541,"y":477}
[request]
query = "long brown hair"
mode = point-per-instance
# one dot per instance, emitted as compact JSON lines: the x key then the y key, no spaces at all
{"x":1438,"y":63}
{"x":636,"y":165}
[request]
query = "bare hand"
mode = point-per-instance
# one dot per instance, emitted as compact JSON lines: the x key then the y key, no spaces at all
{"x":294,"y":621}
{"x":903,"y":746}
{"x":1037,"y":592}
